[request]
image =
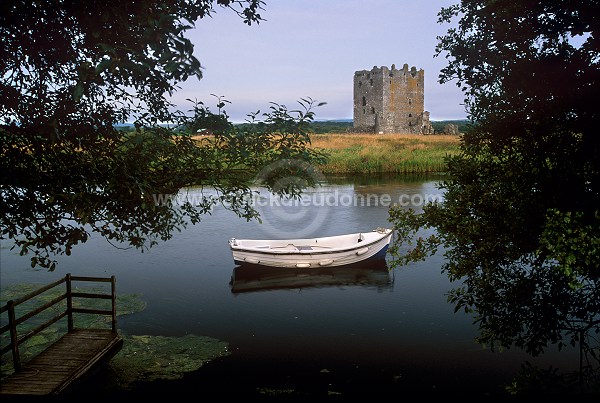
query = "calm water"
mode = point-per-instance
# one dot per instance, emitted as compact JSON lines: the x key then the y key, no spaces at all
{"x":367,"y":329}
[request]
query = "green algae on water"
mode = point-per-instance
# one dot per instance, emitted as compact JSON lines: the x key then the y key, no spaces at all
{"x":149,"y":358}
{"x":142,"y":358}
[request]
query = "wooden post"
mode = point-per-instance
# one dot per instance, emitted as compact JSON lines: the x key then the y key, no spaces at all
{"x":69,"y":303}
{"x":14,"y":342}
{"x":113,"y":294}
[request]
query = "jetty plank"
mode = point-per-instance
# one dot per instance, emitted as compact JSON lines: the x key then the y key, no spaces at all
{"x":67,"y":360}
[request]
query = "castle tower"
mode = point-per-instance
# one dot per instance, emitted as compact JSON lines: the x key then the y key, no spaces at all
{"x":390,"y":101}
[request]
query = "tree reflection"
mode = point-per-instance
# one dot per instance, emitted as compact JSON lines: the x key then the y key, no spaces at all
{"x":523,"y":298}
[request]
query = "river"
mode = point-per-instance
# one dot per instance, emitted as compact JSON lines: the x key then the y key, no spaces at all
{"x":380,"y":329}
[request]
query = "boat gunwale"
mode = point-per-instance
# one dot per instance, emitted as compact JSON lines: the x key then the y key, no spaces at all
{"x":311,"y":252}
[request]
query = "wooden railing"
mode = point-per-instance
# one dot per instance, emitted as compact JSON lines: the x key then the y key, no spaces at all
{"x":13,"y":321}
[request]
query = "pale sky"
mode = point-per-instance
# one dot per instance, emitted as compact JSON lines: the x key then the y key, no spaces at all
{"x":311,"y":48}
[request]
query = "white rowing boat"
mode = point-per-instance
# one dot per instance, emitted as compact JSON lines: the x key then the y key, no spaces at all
{"x":339,"y":250}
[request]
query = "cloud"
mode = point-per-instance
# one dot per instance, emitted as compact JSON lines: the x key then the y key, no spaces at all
{"x":312,"y":49}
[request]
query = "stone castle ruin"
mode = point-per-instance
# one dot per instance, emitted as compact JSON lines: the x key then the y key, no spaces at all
{"x":390,"y":101}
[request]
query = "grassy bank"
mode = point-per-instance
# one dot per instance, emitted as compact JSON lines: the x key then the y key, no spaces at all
{"x":385,"y":153}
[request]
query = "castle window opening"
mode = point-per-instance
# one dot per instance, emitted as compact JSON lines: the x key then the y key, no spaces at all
{"x":364,"y":102}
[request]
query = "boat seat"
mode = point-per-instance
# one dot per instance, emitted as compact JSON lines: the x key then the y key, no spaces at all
{"x":288,"y":246}
{"x":294,"y":247}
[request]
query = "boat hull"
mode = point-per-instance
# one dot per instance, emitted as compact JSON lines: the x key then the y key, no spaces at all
{"x":302,"y":258}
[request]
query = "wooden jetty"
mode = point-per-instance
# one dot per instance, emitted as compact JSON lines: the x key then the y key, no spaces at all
{"x":69,"y":359}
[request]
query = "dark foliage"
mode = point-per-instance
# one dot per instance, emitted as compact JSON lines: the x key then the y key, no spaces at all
{"x":520,"y":221}
{"x":70,"y":71}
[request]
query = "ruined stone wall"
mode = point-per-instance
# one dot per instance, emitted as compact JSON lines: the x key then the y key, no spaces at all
{"x":367,"y":103}
{"x":390,"y":100}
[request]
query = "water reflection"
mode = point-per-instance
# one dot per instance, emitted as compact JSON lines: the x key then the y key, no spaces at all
{"x":398,"y":323}
{"x":251,"y":278}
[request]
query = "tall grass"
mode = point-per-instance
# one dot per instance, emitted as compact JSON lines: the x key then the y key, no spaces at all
{"x":385,"y":153}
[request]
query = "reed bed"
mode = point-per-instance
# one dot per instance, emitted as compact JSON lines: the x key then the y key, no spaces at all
{"x":385,"y":153}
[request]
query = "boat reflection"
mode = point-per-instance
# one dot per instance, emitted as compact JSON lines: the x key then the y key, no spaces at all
{"x":249,"y":278}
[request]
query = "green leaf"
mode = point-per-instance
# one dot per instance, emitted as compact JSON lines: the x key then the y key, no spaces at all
{"x":78,"y":92}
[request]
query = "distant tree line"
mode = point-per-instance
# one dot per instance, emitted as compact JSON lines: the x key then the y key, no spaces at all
{"x":344,"y":126}
{"x":340,"y":126}
{"x":439,"y":126}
